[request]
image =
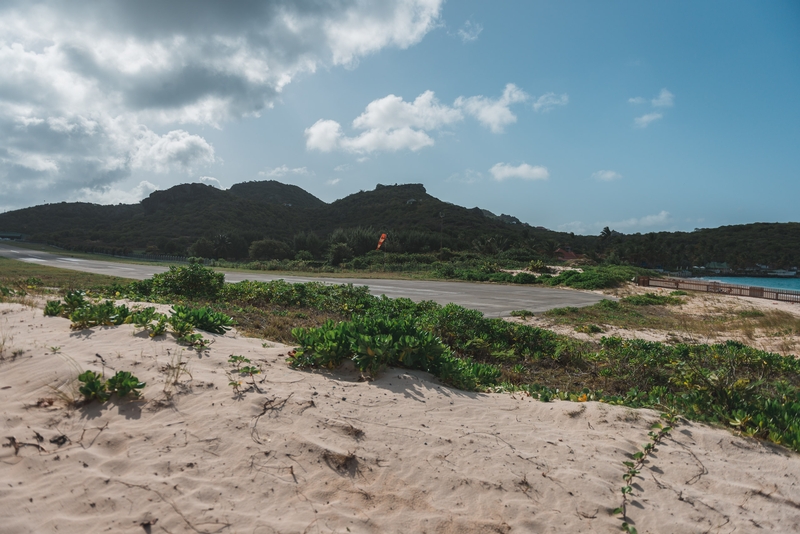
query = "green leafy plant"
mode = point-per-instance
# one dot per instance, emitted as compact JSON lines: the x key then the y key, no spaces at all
{"x":196,"y":341}
{"x":202,"y":318}
{"x":251,"y":371}
{"x":589,"y":329}
{"x":123,"y":383}
{"x":53,"y":308}
{"x":74,"y":300}
{"x":633,"y":467}
{"x":237,"y":361}
{"x":521,"y":313}
{"x":180,"y":327}
{"x":193,"y":282}
{"x":148,"y":319}
{"x":93,"y":387}
{"x":538,"y":266}
{"x":102,"y":314}
{"x":243,"y":371}
{"x":159,"y":327}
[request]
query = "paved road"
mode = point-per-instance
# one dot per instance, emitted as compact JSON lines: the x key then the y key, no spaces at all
{"x":494,"y":300}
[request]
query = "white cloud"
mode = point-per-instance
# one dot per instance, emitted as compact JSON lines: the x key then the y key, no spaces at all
{"x":470,"y":31}
{"x":390,"y":112}
{"x":386,"y":140}
{"x":647,"y":221}
{"x":665,"y":99}
{"x":86,"y":87}
{"x":333,"y":181}
{"x":341,"y":168}
{"x":112,"y":195}
{"x":323,"y":135}
{"x":548,"y":101}
{"x":283,"y":170}
{"x":645,"y":120}
{"x":391,"y":124}
{"x":177,"y":150}
{"x":494,"y":114}
{"x":210,"y":180}
{"x":502,"y":171}
{"x":606,"y":176}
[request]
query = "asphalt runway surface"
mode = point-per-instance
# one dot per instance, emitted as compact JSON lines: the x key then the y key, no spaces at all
{"x":494,"y":300}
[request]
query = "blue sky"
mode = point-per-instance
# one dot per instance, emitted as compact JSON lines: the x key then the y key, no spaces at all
{"x":641,"y":116}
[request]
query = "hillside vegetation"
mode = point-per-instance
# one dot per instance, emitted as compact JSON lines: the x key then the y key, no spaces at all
{"x":263,"y":221}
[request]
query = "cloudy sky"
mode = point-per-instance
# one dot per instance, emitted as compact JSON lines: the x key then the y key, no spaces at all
{"x":571,"y":115}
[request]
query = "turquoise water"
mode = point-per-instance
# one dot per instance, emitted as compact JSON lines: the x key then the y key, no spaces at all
{"x":774,"y":283}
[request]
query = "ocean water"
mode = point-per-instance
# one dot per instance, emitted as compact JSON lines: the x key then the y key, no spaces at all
{"x":774,"y":283}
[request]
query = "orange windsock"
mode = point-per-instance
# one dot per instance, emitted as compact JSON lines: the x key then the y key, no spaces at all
{"x":380,"y":241}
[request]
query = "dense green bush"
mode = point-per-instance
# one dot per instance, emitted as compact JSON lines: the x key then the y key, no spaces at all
{"x":601,"y":277}
{"x":339,"y":253}
{"x":755,"y":391}
{"x":202,"y":318}
{"x":269,"y":249}
{"x":373,"y":344}
{"x":192,"y":282}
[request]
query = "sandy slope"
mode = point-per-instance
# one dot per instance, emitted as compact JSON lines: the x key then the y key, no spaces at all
{"x":332,"y":454}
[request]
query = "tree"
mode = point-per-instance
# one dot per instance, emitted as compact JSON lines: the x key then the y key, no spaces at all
{"x":339,"y":253}
{"x":269,"y":249}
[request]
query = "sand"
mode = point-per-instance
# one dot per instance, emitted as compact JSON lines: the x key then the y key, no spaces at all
{"x":324,"y":452}
{"x":696,"y":306}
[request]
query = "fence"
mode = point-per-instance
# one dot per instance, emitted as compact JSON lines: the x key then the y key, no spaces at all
{"x":785,"y":295}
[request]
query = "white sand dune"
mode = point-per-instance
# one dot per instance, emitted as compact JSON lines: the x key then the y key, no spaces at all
{"x":323,"y":452}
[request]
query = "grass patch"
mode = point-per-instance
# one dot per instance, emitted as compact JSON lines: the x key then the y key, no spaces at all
{"x":652,"y":299}
{"x":621,"y":314}
{"x":16,"y":274}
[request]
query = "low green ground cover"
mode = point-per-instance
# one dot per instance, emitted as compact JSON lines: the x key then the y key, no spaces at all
{"x":751,"y":391}
{"x":755,"y":392}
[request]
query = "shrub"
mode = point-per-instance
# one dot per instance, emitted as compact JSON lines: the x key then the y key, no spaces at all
{"x":193,"y":282}
{"x":53,"y":308}
{"x":525,"y":278}
{"x":372,"y":344}
{"x":594,"y":277}
{"x":201,"y":318}
{"x":339,"y":253}
{"x":101,"y":314}
{"x":269,"y":249}
{"x":538,"y":266}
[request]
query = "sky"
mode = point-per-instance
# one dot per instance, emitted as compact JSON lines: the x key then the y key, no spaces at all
{"x":640,"y":116}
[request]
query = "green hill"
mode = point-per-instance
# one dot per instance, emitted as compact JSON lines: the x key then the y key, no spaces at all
{"x":272,"y":192}
{"x":199,"y":219}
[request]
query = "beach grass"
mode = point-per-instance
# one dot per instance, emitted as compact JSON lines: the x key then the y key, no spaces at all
{"x":709,"y":317}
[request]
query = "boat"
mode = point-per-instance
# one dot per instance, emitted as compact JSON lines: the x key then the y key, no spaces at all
{"x":782,"y":273}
